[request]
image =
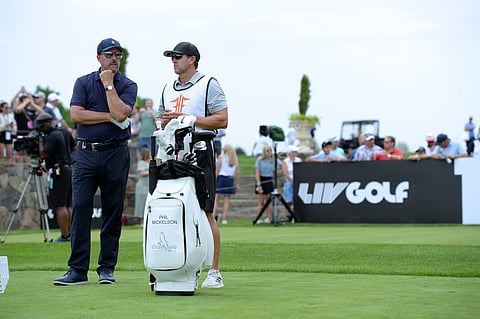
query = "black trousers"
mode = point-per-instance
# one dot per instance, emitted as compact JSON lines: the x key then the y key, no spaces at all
{"x":107,"y":170}
{"x":470,"y":145}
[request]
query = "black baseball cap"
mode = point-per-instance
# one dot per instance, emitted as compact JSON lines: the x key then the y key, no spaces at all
{"x":441,"y":138}
{"x":326,"y":143}
{"x":108,"y":44}
{"x":186,"y":48}
{"x":42,"y":118}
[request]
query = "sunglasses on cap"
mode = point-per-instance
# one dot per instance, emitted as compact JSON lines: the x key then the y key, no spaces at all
{"x":109,"y":54}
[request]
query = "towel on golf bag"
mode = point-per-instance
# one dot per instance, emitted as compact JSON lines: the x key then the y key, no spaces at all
{"x":173,"y":169}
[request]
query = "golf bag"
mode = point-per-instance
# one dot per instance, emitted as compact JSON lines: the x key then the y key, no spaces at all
{"x":177,"y":239}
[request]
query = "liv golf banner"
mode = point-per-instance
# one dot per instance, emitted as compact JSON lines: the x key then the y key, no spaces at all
{"x":427,"y":191}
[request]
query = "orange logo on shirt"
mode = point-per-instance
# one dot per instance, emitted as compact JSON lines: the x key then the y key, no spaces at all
{"x":179,"y":103}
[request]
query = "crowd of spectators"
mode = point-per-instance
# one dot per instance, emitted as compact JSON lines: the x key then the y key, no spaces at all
{"x":18,"y":119}
{"x":439,"y":147}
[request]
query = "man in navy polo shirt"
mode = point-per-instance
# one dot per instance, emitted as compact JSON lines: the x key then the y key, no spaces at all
{"x":100,"y":106}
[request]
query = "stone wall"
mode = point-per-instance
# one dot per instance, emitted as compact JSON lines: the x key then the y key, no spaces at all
{"x":13,"y":180}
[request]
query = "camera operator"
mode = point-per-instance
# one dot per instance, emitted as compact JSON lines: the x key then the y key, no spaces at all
{"x":25,"y":111}
{"x":56,"y":148}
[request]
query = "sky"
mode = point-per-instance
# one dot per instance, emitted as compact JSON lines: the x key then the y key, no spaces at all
{"x":412,"y":64}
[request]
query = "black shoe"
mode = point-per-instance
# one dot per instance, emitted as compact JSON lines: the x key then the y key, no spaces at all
{"x":106,"y":276}
{"x":71,"y":278}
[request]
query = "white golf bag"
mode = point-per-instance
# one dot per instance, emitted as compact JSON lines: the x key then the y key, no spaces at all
{"x":177,"y":239}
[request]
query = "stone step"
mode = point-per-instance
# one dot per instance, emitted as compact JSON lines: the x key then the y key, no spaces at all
{"x":244,"y":204}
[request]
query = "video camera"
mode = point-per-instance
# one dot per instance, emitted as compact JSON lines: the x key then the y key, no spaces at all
{"x":274,"y":132}
{"x":29,"y":143}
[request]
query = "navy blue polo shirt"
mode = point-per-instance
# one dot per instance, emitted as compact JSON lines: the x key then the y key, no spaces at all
{"x":90,"y":94}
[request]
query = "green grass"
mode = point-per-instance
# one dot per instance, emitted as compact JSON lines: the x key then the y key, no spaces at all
{"x":247,"y":164}
{"x":291,"y":271}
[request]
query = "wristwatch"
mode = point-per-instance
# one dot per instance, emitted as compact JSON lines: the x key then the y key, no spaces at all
{"x":109,"y":88}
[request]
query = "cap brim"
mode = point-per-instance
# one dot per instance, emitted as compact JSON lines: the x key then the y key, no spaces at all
{"x":169,"y":54}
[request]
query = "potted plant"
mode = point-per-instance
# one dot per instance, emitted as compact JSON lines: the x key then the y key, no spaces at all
{"x":302,"y":122}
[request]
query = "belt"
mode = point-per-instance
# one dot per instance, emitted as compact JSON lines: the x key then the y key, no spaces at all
{"x":99,"y":147}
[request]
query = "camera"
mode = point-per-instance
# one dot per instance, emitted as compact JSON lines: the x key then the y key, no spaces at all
{"x":274,"y":132}
{"x":29,"y":143}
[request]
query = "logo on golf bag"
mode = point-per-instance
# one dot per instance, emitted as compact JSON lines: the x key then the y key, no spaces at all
{"x":163,"y":246}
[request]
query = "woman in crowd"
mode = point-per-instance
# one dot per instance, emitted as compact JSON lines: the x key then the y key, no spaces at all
{"x":8,"y":129}
{"x":264,"y":169}
{"x":228,"y":176}
{"x":287,"y":170}
{"x":141,"y":188}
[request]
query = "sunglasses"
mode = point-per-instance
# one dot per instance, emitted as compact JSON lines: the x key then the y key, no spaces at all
{"x":109,"y":54}
{"x":177,"y":57}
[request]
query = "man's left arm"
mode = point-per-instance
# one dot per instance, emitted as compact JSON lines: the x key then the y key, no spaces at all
{"x":215,"y":120}
{"x":217,"y":106}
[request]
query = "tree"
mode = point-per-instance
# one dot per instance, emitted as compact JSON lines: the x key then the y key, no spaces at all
{"x":303,"y":104}
{"x":123,"y":62}
{"x":304,"y":95}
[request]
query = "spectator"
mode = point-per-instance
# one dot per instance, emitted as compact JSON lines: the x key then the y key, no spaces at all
{"x":291,"y":137}
{"x":360,"y":142}
{"x":262,"y":141}
{"x":217,"y":142}
{"x":228,"y":179}
{"x":134,"y":127}
{"x":367,"y":151}
{"x":389,"y":152}
{"x":326,"y":155}
{"x":141,"y":187}
{"x":56,"y":149}
{"x":40,"y":101}
{"x":53,"y":100}
{"x":334,"y":149}
{"x":313,"y":141}
{"x":25,"y":111}
{"x":8,"y":129}
{"x":287,"y":170}
{"x":101,"y":103}
{"x":430,"y":139}
{"x":146,"y":118}
{"x":420,"y":153}
{"x":264,"y":169}
{"x":351,"y":151}
{"x":447,"y":149}
{"x":470,"y":140}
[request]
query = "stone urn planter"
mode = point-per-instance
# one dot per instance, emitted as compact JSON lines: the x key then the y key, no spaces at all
{"x":305,"y":140}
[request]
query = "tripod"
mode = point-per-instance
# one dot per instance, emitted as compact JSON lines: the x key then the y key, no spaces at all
{"x":275,"y":197}
{"x":40,"y":189}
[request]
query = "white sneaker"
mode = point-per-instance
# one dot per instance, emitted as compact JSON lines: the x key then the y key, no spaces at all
{"x":213,"y":280}
{"x":267,"y":220}
{"x":224,"y":222}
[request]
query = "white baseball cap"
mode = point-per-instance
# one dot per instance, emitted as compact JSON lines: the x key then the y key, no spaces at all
{"x":53,"y":97}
